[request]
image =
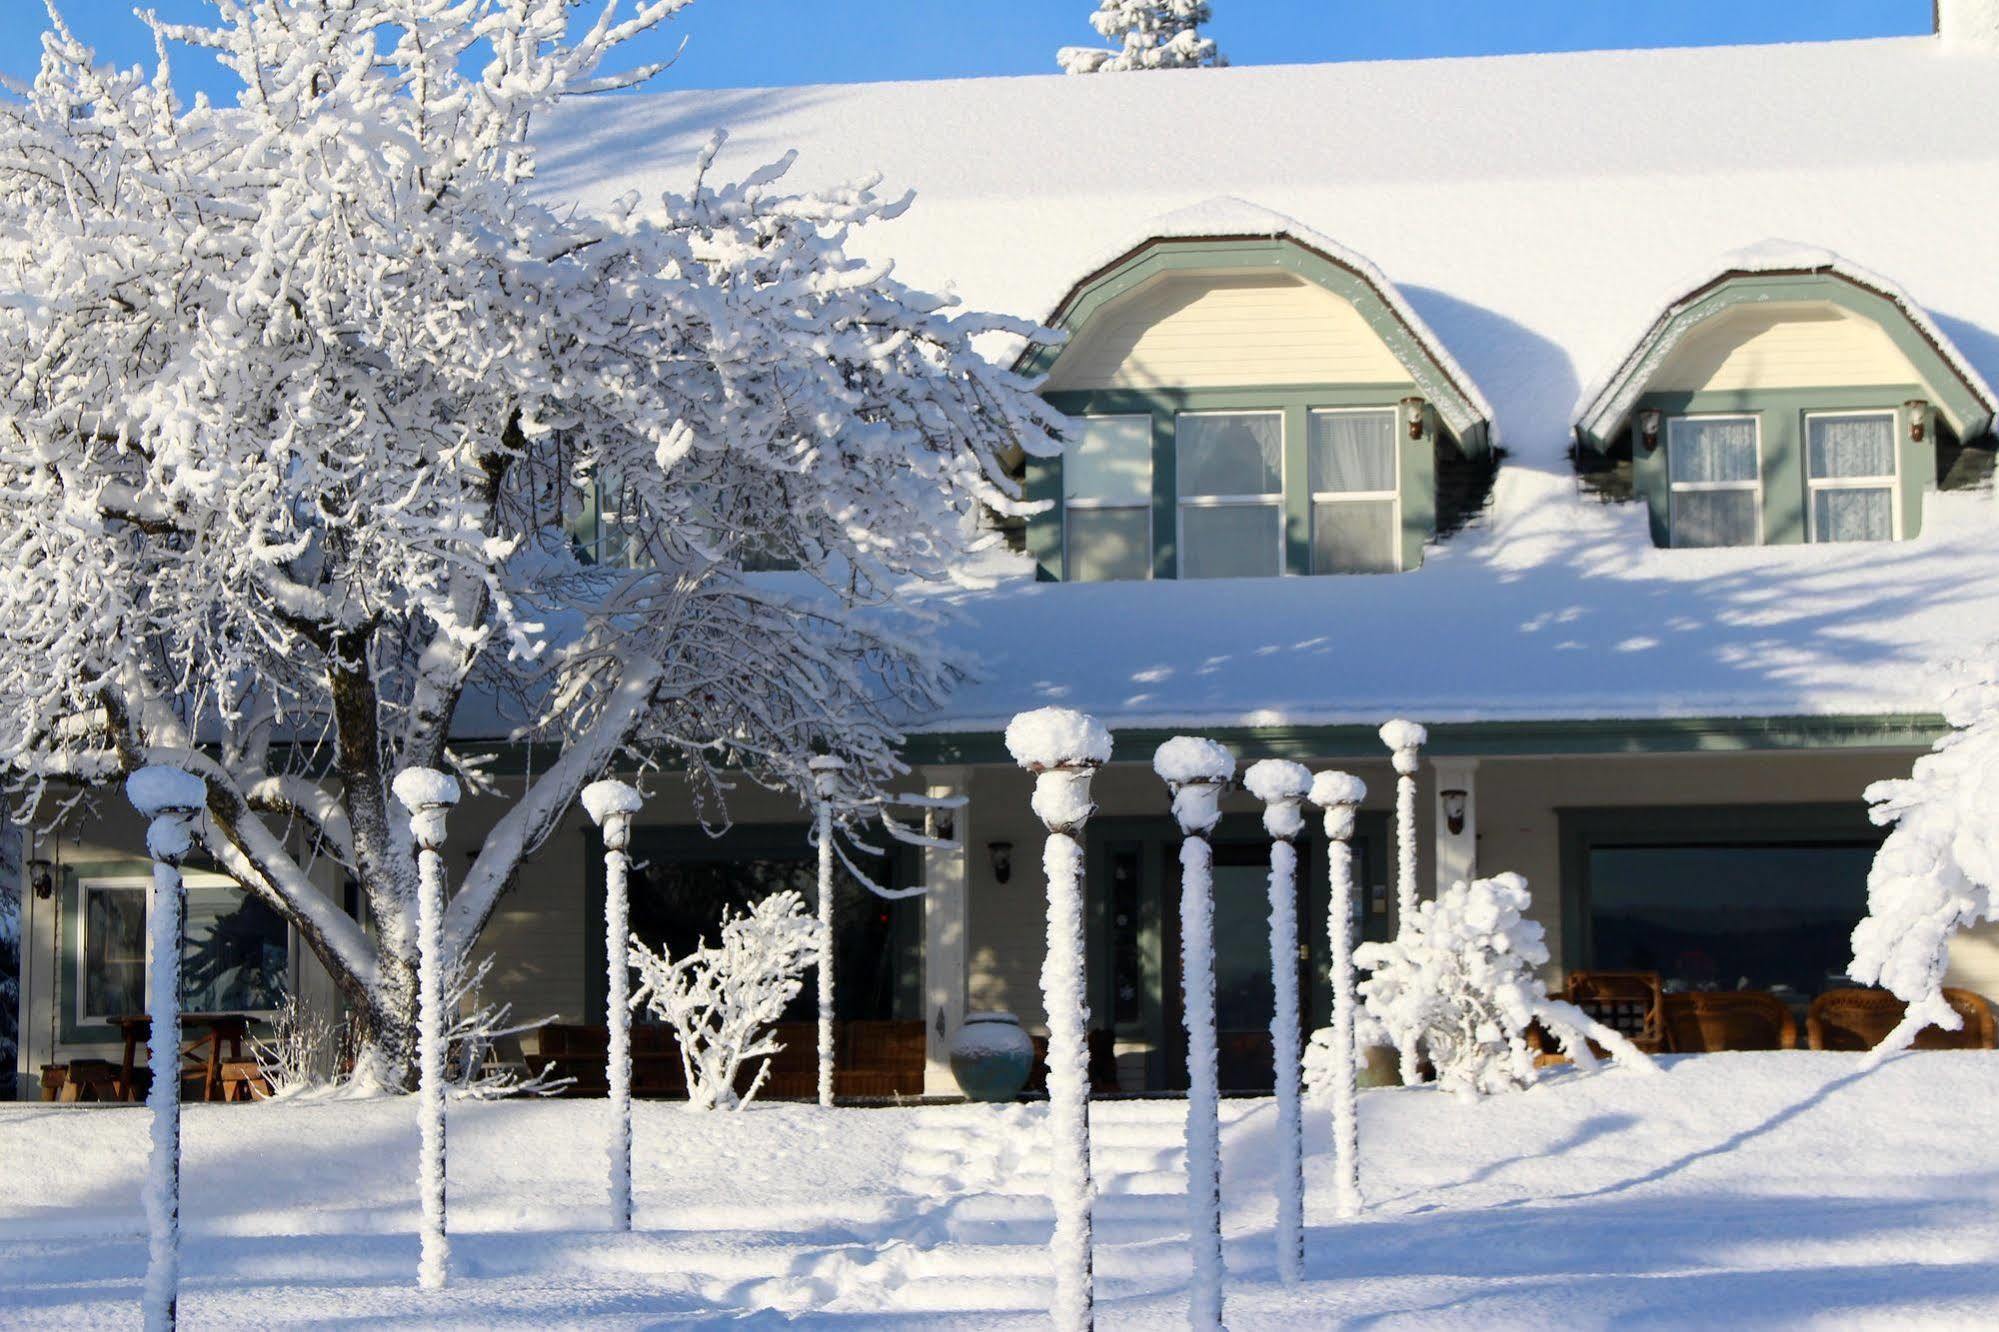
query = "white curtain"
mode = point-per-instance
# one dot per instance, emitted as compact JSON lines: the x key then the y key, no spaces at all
{"x":1710,"y":449}
{"x":1352,"y":451}
{"x":1850,"y":446}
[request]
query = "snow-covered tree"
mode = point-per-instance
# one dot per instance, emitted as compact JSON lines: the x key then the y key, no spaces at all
{"x":1462,"y":974}
{"x":1151,"y":34}
{"x":318,"y":423}
{"x":721,"y":1000}
{"x":1935,"y":872}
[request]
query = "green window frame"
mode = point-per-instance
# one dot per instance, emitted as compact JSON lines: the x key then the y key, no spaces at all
{"x":1415,"y":494}
{"x":1783,"y":417}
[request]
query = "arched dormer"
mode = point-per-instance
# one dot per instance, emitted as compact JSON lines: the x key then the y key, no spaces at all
{"x":1249,"y":399}
{"x":1791,"y":397}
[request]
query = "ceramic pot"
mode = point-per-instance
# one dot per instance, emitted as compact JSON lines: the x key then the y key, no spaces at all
{"x":991,"y":1056}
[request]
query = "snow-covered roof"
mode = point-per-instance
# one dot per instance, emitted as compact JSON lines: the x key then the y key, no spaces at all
{"x":1537,"y":213}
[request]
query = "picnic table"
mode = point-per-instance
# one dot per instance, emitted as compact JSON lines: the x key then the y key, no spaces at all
{"x":203,"y":1036}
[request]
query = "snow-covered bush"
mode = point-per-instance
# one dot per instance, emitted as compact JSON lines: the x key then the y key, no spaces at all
{"x":1462,"y":976}
{"x":329,"y":420}
{"x":1936,"y":871}
{"x":1152,"y":34}
{"x":299,"y":1057}
{"x":721,"y":1000}
{"x":478,"y":1068}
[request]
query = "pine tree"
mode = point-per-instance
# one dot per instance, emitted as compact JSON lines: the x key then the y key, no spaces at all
{"x":1156,"y":34}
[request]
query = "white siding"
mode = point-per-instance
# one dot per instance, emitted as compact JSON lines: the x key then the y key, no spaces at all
{"x":1219,"y":330}
{"x":1782,"y":345}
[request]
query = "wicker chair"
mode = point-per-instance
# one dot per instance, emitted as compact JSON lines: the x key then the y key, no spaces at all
{"x":1707,"y":1021}
{"x":1628,"y":1002}
{"x":1861,"y":1019}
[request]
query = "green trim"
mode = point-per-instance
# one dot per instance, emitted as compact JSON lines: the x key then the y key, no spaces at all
{"x":1416,"y":473}
{"x":1968,"y":414}
{"x":1581,"y":830}
{"x":1280,"y":253}
{"x":1693,"y":735}
{"x":1781,"y":416}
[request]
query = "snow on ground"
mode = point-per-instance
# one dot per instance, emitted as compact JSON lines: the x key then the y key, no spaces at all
{"x":1774,"y":1189}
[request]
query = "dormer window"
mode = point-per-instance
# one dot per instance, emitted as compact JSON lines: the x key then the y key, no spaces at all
{"x":1247,"y":406}
{"x":1801,"y":399}
{"x":1107,"y":500}
{"x":1231,"y":474}
{"x":1850,"y":468}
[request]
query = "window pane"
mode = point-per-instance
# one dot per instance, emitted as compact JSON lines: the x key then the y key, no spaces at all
{"x":1712,"y":448}
{"x":1352,"y":451}
{"x":114,"y":952}
{"x":1231,"y":455}
{"x":1109,"y":543}
{"x":1727,"y":917}
{"x":1839,"y":514}
{"x":1714,"y":517}
{"x":1109,"y":458}
{"x":234,"y":959}
{"x":1229,"y":541}
{"x":1843,"y":446}
{"x":1354,"y":536}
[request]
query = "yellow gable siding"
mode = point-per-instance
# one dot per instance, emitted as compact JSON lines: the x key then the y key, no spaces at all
{"x":1226,"y":330}
{"x":1782,"y":346}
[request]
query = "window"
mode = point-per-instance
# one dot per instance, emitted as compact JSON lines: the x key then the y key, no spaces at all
{"x":1715,"y":481}
{"x":1850,"y":476}
{"x":1352,"y":462}
{"x":1107,"y":499}
{"x":1231,"y":478}
{"x":235,"y":954}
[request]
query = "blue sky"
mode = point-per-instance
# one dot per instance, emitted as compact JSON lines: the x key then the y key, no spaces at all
{"x":737,"y":43}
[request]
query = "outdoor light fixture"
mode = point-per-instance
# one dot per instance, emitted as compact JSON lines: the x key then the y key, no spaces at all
{"x":1412,"y":414}
{"x":42,"y":879}
{"x":1918,"y":411}
{"x":1001,"y":855}
{"x":1648,"y":428}
{"x":1454,"y":809}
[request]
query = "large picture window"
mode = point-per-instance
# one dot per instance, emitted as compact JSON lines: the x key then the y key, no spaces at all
{"x":1107,"y":499}
{"x":1352,"y":462}
{"x":235,"y":957}
{"x":1231,"y":480}
{"x":1715,"y":479}
{"x":1850,"y":476}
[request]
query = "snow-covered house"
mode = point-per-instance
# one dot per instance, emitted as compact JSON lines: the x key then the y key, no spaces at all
{"x":1623,"y":416}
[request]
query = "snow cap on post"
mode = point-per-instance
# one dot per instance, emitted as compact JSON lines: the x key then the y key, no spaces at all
{"x":169,"y":797}
{"x":610,"y":804}
{"x":1057,"y":738}
{"x":1195,"y":770}
{"x":826,"y":770}
{"x":1339,"y":794}
{"x":1282,"y":786}
{"x":1405,"y":738}
{"x":427,"y":794}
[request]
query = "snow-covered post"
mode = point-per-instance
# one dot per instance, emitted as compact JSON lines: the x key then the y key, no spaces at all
{"x":1282,"y":787}
{"x":1340,"y":794}
{"x":826,"y":770}
{"x":1064,"y":749}
{"x":1405,"y":739}
{"x":1197,"y":771}
{"x":429,"y":795}
{"x":611,"y":804}
{"x":170,"y":798}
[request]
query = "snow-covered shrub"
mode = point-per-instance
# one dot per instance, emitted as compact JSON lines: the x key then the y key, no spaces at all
{"x":298,"y":1057}
{"x":477,"y":1068}
{"x":721,"y":1000}
{"x":1462,"y":976}
{"x":1152,"y":34}
{"x":1935,"y":873}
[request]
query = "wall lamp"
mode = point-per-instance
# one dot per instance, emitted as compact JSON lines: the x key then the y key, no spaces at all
{"x":1412,"y":416}
{"x":1648,"y":428}
{"x":1001,"y":856}
{"x":41,"y":878}
{"x":1919,"y":412}
{"x":1455,"y":802}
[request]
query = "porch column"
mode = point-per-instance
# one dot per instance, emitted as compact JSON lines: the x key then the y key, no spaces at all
{"x":946,"y":875}
{"x":1456,"y":794}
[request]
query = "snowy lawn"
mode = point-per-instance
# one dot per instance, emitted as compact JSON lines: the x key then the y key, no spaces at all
{"x":1753,"y":1188}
